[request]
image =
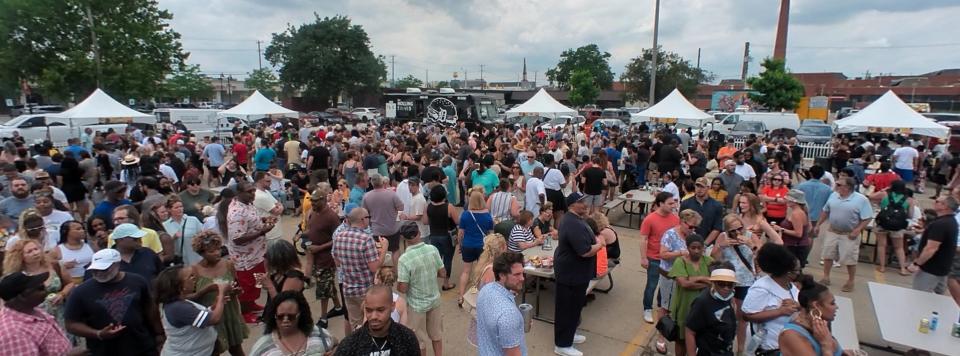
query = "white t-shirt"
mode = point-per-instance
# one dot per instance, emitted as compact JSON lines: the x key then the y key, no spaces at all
{"x":532,"y":196}
{"x":904,"y":156}
{"x":746,"y":171}
{"x":828,"y":179}
{"x":766,"y":294}
{"x":53,"y":221}
{"x":673,"y":189}
{"x":168,"y":172}
{"x":264,"y":202}
{"x":553,"y":178}
{"x":417,"y":206}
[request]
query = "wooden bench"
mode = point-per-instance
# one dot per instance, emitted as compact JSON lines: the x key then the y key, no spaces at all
{"x":610,"y":205}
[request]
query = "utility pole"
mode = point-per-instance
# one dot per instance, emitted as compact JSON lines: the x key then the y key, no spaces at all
{"x":482,"y":84}
{"x":94,"y":44}
{"x":653,"y":68}
{"x":426,"y":83}
{"x":746,"y":63}
{"x":221,"y":88}
{"x":259,"y":56}
{"x":698,"y":58}
{"x":393,"y":71}
{"x":534,"y":79}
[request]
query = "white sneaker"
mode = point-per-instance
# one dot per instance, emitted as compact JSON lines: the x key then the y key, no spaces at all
{"x":648,"y":316}
{"x":579,"y":339}
{"x":567,"y":351}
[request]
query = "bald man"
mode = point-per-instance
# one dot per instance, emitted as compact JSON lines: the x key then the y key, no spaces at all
{"x":380,"y":335}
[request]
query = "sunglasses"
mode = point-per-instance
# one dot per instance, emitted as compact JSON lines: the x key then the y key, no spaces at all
{"x":735,"y":231}
{"x":723,"y":284}
{"x":288,"y":317}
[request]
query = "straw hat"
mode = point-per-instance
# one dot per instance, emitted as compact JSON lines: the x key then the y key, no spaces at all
{"x":723,"y":275}
{"x":130,"y":160}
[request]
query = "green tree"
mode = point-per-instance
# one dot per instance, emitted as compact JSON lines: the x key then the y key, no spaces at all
{"x":49,"y":43}
{"x":264,"y":81}
{"x":588,"y":58}
{"x":408,"y":82}
{"x":443,"y":84}
{"x":187,"y":83}
{"x":326,"y":58}
{"x":673,"y":72}
{"x":583,"y":89}
{"x":776,"y":88}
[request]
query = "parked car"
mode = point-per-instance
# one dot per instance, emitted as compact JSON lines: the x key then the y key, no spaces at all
{"x":530,"y":122}
{"x":615,"y":114}
{"x":365,"y":114}
{"x":562,"y":121}
{"x":814,"y":132}
{"x":743,"y":129}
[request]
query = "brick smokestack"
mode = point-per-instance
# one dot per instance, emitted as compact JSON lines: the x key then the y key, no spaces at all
{"x":780,"y":47}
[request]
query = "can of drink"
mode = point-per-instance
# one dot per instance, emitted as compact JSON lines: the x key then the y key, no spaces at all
{"x":924,"y":326}
{"x":934,"y":320}
{"x":956,"y":330}
{"x":526,"y":310}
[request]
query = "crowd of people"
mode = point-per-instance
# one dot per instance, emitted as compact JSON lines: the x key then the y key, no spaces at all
{"x":160,"y":242}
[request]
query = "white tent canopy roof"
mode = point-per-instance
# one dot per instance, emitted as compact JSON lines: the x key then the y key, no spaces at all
{"x":257,"y":104}
{"x":541,"y":104}
{"x":100,"y":105}
{"x":675,"y":106}
{"x":889,"y":114}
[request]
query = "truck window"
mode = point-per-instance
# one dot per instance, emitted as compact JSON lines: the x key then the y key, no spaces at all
{"x":55,"y":123}
{"x":731,"y":119}
{"x":38,"y":121}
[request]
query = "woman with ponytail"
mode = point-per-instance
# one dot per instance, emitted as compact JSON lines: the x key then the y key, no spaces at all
{"x":809,"y":332}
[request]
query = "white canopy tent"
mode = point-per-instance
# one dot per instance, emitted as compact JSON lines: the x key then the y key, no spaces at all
{"x":99,"y":105}
{"x":259,"y":106}
{"x":541,"y":104}
{"x":889,"y":114}
{"x":674,"y":109}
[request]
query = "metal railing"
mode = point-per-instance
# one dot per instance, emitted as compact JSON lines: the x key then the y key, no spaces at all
{"x":810,"y":150}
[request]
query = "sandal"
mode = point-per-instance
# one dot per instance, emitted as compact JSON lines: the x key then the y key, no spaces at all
{"x":452,"y":286}
{"x":904,"y":272}
{"x":881,"y":269}
{"x":661,"y":346}
{"x":460,"y":302}
{"x":847,"y":288}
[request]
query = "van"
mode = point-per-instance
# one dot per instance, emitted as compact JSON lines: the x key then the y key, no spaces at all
{"x":771,"y":121}
{"x":200,"y":121}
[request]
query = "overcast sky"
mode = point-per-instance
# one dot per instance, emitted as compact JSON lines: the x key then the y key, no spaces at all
{"x":446,"y":36}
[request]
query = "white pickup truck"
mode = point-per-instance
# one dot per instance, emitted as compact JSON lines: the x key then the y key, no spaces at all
{"x":34,"y":127}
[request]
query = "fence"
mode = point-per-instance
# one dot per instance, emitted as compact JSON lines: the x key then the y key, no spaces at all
{"x":810,"y":150}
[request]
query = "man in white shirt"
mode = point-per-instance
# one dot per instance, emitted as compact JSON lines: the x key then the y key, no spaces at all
{"x":743,"y":169}
{"x":267,"y":205}
{"x":415,"y":206}
{"x":536,"y":194}
{"x":905,"y":160}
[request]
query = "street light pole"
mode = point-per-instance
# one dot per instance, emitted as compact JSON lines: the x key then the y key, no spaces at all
{"x":653,"y":66}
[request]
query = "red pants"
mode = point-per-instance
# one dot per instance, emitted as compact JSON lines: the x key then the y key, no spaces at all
{"x":248,"y":285}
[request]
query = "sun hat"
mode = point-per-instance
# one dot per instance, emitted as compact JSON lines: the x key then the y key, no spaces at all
{"x":797,"y":196}
{"x":723,"y":275}
{"x":130,"y":160}
{"x":103,"y":259}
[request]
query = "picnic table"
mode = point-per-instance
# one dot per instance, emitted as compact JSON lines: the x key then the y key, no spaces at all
{"x":899,"y":311}
{"x":844,"y":325}
{"x":634,"y":203}
{"x":539,"y":274}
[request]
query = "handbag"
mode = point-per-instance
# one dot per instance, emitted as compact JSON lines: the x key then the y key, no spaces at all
{"x":178,"y":259}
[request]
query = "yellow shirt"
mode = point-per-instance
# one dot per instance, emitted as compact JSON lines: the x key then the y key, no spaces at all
{"x":151,"y":240}
{"x":718,"y":195}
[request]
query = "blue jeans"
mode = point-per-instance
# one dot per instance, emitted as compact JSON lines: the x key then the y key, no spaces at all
{"x":653,"y":278}
{"x":641,"y":172}
{"x":444,"y":245}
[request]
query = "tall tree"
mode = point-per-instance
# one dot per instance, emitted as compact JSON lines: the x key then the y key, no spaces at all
{"x":326,"y":58}
{"x":673,"y":72}
{"x":776,"y":88}
{"x":264,"y":81}
{"x":65,"y":47}
{"x":588,"y":58}
{"x":187,"y":83}
{"x":409,"y":82}
{"x":583,"y":89}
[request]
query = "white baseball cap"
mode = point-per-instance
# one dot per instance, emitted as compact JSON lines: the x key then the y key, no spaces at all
{"x":103,"y":259}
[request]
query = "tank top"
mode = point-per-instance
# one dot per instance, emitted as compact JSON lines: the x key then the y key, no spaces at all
{"x":613,"y":250}
{"x":813,"y":341}
{"x":83,"y":256}
{"x":500,"y":206}
{"x":790,"y":240}
{"x":440,"y":223}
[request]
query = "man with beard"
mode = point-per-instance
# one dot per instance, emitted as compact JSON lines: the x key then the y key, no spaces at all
{"x":26,"y":329}
{"x":499,"y":322}
{"x":114,"y":310}
{"x":18,"y":201}
{"x":380,"y":335}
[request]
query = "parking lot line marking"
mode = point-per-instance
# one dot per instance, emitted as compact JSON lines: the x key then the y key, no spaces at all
{"x":639,"y":340}
{"x":879,"y":277}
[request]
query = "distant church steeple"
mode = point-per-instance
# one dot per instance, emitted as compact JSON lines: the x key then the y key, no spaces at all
{"x":524,"y":69}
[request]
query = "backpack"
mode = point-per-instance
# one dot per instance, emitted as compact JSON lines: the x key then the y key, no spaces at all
{"x":893,"y":217}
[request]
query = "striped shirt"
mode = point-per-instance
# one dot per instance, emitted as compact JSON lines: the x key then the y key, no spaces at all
{"x":519,"y":234}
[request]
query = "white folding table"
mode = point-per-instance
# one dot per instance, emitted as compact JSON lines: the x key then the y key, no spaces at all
{"x":844,"y":325}
{"x":899,"y":311}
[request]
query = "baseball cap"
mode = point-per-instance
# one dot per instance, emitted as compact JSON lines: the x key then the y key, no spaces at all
{"x":103,"y":259}
{"x":127,"y":230}
{"x":703,"y":181}
{"x":17,"y":283}
{"x":723,"y":275}
{"x":574,"y":198}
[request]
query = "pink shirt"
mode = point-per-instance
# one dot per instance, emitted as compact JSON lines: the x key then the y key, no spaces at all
{"x":242,"y":219}
{"x":31,"y":335}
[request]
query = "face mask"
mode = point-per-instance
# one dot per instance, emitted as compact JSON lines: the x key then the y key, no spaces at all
{"x":720,"y":297}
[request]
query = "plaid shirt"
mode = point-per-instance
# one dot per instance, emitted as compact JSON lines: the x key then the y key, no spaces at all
{"x":31,"y":335}
{"x":242,"y":219}
{"x":354,"y":248}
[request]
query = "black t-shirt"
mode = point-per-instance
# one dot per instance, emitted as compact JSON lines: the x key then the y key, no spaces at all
{"x":400,"y":341}
{"x":944,"y":230}
{"x":122,"y":302}
{"x":670,"y":158}
{"x":575,"y":239}
{"x":300,"y":182}
{"x":320,"y":156}
{"x":714,"y":323}
{"x":594,"y":177}
{"x":432,"y":174}
{"x":371,"y":161}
